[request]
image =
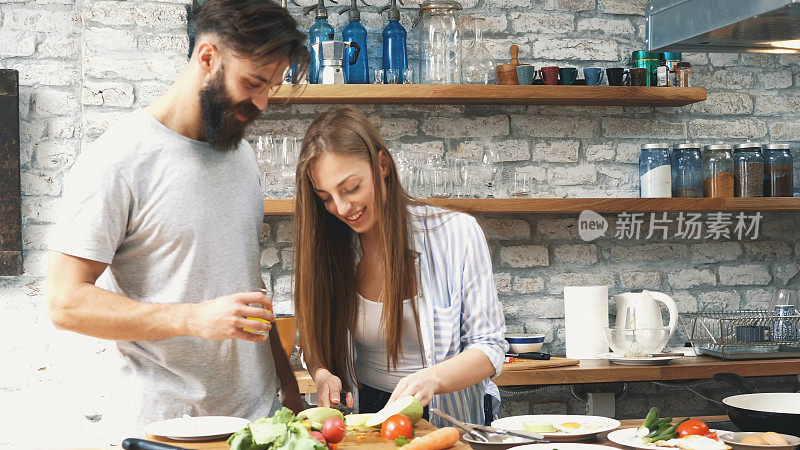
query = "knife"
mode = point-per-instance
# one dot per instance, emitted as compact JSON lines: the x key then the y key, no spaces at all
{"x":530,"y":355}
{"x":141,"y":444}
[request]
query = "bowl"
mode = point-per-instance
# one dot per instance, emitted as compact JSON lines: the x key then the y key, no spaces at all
{"x":637,"y":341}
{"x":734,"y":440}
{"x":286,"y":327}
{"x":524,"y":343}
{"x":496,"y":442}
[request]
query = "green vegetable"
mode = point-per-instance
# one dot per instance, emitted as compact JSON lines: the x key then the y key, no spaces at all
{"x":647,"y":425}
{"x":283,"y":431}
{"x":660,"y":429}
{"x":668,"y":434}
{"x":401,"y":441}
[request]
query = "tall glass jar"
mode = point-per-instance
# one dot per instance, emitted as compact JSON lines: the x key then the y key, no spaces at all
{"x":748,"y":170}
{"x":687,"y":170}
{"x":439,"y":40}
{"x":717,"y":171}
{"x":478,"y":62}
{"x":655,"y":173}
{"x":778,"y":167}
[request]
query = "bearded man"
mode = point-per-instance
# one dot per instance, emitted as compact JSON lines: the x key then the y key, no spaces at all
{"x":157,"y":246}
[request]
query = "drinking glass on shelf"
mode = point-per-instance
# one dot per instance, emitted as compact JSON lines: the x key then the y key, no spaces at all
{"x":392,"y":76}
{"x":486,"y":172}
{"x":521,"y":183}
{"x":408,"y":76}
{"x":290,"y":149}
{"x":377,"y":76}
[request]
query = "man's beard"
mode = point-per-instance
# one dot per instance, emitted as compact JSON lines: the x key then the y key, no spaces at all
{"x":218,"y":112}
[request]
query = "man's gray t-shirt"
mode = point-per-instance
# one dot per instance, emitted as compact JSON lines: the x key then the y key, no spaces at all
{"x":177,"y":222}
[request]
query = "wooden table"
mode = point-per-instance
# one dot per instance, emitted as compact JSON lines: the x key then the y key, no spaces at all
{"x":603,"y":371}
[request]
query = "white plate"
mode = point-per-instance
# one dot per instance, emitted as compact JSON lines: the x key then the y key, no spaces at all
{"x":616,"y":358}
{"x":627,"y":437}
{"x":201,"y":428}
{"x":599,"y":425}
{"x":562,"y":446}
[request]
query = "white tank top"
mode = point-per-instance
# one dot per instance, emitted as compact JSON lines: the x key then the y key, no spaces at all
{"x":371,"y":347}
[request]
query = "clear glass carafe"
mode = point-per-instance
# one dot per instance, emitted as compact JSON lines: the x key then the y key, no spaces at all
{"x":439,"y":40}
{"x":477,"y":63}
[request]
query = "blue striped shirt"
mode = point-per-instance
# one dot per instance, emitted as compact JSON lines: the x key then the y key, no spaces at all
{"x":458,"y":305}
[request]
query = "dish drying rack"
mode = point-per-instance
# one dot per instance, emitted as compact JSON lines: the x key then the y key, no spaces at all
{"x":745,"y":334}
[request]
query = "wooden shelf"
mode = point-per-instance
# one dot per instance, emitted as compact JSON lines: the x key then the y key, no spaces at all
{"x":576,"y":205}
{"x":429,"y":94}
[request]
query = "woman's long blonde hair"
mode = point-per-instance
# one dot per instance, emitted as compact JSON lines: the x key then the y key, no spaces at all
{"x":324,"y":266}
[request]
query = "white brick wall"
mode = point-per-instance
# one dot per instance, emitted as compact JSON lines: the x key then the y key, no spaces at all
{"x":84,"y":64}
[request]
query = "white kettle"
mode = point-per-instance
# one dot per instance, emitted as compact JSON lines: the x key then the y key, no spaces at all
{"x":641,"y":310}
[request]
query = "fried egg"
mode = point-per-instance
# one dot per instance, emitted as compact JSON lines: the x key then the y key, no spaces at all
{"x":577,"y":427}
{"x":693,"y":442}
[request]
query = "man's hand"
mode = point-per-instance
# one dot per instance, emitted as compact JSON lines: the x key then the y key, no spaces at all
{"x":226,"y":317}
{"x":329,"y":387}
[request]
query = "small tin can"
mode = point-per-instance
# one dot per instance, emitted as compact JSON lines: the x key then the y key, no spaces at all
{"x":784,"y":325}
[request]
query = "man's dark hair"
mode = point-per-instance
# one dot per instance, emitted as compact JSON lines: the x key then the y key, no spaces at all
{"x":260,"y":30}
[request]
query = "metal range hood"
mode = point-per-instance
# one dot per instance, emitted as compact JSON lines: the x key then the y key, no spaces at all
{"x":736,"y":26}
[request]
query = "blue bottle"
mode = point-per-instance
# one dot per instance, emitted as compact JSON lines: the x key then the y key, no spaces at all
{"x":394,"y":44}
{"x":355,"y":72}
{"x":321,"y":31}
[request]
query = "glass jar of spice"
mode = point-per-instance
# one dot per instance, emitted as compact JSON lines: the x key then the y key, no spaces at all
{"x":717,"y":171}
{"x":655,"y":173}
{"x":687,"y":170}
{"x":778,"y":166}
{"x":748,"y":170}
{"x":683,"y":71}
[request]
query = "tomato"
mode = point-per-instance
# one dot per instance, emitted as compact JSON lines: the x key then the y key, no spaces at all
{"x":333,"y":429}
{"x":692,"y":426}
{"x":396,"y":426}
{"x":318,"y":436}
{"x":712,"y":436}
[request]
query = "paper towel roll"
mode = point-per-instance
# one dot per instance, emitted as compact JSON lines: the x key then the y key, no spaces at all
{"x":585,"y":317}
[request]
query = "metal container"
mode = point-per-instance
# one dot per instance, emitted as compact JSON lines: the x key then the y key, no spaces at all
{"x":748,"y":170}
{"x":649,"y":61}
{"x":717,"y":171}
{"x":784,"y":327}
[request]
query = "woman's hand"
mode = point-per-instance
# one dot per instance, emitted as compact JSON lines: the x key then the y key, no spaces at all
{"x":328,"y":388}
{"x":422,"y":385}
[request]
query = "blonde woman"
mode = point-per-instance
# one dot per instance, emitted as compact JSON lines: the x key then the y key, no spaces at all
{"x":393,"y":297}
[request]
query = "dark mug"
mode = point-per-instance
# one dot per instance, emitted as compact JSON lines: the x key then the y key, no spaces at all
{"x":549,"y":75}
{"x":526,"y":74}
{"x":616,"y":76}
{"x":638,"y":76}
{"x":568,"y":75}
{"x":593,"y":76}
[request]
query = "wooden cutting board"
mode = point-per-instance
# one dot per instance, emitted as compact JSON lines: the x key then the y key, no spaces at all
{"x":370,"y":440}
{"x":528,"y":364}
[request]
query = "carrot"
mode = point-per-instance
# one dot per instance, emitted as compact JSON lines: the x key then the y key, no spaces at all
{"x":436,"y":440}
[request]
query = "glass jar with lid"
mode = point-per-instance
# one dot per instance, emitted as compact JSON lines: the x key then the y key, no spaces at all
{"x":655,"y":172}
{"x":717,"y":170}
{"x":439,"y":40}
{"x":778,"y":166}
{"x":748,"y":170}
{"x":687,"y":170}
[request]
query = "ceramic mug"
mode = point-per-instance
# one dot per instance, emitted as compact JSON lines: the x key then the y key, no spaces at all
{"x":593,"y":76}
{"x":549,"y":75}
{"x":568,"y":75}
{"x":526,"y":74}
{"x":616,"y":76}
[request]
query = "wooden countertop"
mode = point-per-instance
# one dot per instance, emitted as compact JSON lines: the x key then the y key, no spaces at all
{"x":423,"y":427}
{"x":603,"y":371}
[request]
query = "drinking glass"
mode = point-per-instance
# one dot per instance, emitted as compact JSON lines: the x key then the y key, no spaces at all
{"x":487,"y":172}
{"x":290,"y":149}
{"x":377,"y":76}
{"x":522,"y":183}
{"x":392,"y":76}
{"x":408,"y":76}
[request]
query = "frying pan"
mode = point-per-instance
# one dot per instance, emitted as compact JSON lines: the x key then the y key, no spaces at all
{"x":761,"y":411}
